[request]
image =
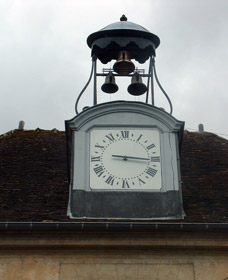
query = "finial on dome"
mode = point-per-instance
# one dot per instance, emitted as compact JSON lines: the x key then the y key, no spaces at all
{"x":123,"y":18}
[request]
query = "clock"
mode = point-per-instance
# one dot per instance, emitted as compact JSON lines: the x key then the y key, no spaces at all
{"x":124,"y":159}
{"x":123,"y":162}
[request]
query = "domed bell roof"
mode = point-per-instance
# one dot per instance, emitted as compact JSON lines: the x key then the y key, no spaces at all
{"x":123,"y":35}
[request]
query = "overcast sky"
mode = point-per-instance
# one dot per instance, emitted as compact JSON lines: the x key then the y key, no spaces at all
{"x":45,"y":60}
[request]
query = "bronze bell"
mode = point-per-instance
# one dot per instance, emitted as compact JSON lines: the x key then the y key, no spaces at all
{"x":110,"y":85}
{"x":123,"y":65}
{"x":137,"y":87}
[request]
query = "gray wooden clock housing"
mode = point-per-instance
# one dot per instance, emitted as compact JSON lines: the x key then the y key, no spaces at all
{"x":124,"y":203}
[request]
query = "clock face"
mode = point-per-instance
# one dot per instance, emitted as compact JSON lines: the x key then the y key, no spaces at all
{"x":124,"y":159}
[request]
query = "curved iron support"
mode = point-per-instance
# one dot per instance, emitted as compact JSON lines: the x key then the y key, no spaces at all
{"x":86,"y":85}
{"x":161,"y":88}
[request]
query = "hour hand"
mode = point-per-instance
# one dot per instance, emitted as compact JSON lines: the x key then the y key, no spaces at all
{"x":129,"y":157}
{"x":119,"y":156}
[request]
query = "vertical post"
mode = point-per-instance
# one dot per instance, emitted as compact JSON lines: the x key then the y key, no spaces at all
{"x":95,"y":81}
{"x":152,"y":81}
{"x":148,"y":81}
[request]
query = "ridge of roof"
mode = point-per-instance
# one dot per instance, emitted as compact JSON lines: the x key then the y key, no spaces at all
{"x":55,"y":130}
{"x":17,"y":130}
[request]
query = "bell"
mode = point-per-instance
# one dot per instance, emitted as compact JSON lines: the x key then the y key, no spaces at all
{"x":110,"y":85}
{"x":137,"y":87}
{"x":123,"y":65}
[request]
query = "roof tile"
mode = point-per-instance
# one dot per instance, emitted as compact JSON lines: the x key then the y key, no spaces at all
{"x":34,"y":187}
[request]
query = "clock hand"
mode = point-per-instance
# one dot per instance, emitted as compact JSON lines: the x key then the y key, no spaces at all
{"x":129,"y":157}
{"x":119,"y":156}
{"x":140,"y":158}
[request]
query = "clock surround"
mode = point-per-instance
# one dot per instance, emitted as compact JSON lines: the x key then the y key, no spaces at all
{"x":161,"y":201}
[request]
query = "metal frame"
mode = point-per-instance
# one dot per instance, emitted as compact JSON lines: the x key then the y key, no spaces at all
{"x":150,"y":82}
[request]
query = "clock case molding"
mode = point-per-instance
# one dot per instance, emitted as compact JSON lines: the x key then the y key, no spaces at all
{"x":85,"y":202}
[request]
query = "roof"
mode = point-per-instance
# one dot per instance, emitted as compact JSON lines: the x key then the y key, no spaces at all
{"x":107,"y":43}
{"x":123,"y":28}
{"x":34,"y":185}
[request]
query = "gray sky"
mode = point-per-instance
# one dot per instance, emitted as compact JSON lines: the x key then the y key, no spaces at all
{"x":45,"y":61}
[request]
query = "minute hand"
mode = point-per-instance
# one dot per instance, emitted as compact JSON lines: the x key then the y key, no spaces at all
{"x":129,"y":157}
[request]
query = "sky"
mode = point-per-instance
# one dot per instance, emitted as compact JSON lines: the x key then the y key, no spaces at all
{"x":45,"y":61}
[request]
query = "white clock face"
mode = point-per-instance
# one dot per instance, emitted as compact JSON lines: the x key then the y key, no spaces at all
{"x":124,"y":159}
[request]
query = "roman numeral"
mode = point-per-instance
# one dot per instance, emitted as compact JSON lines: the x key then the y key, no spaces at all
{"x":99,"y":170}
{"x":110,"y":137}
{"x":110,"y":180}
{"x":150,"y":171}
{"x":125,"y":134}
{"x":141,"y":181}
{"x":155,"y":159}
{"x":98,"y":146}
{"x":150,"y":146}
{"x":125,"y":184}
{"x":95,"y":158}
{"x":139,"y":137}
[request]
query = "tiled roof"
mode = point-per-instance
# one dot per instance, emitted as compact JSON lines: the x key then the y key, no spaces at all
{"x":204,"y":169}
{"x":34,"y":187}
{"x":33,"y":180}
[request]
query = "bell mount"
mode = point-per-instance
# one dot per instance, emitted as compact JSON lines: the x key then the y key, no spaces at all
{"x":138,"y":43}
